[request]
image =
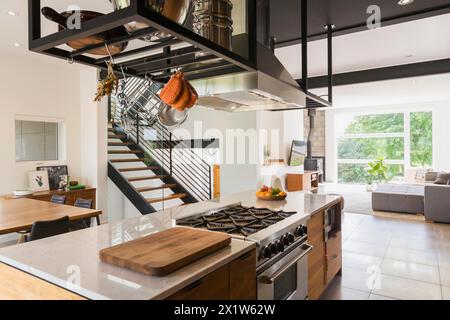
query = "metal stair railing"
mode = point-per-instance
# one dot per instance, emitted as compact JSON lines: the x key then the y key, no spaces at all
{"x":183,"y":163}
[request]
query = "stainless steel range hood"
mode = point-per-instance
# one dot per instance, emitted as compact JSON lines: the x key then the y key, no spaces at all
{"x":271,"y":87}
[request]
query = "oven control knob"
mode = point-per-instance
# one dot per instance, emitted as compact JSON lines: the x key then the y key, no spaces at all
{"x":280,"y":246}
{"x":273,"y":248}
{"x":305,"y":229}
{"x":299,"y":232}
{"x":285,"y":239}
{"x":291,"y":237}
{"x":266,"y":252}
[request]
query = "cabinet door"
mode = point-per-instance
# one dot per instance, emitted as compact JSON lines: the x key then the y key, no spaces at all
{"x":316,"y":258}
{"x":243,"y":277}
{"x":334,"y":255}
{"x":214,"y":286}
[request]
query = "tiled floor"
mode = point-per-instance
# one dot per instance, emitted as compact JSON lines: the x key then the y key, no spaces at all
{"x":386,"y":258}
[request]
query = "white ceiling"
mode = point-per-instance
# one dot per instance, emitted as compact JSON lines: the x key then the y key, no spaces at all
{"x":393,"y":92}
{"x":416,"y":41}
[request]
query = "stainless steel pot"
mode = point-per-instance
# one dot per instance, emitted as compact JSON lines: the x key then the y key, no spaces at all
{"x":171,"y":117}
{"x":213,"y":20}
{"x":176,"y":10}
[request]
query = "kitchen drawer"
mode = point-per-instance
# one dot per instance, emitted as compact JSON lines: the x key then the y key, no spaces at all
{"x":334,"y":266}
{"x":315,"y":225}
{"x":243,"y":277}
{"x":334,"y":255}
{"x":334,"y":244}
{"x":214,"y":286}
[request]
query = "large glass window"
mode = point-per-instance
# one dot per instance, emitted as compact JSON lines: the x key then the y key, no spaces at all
{"x":402,"y":139}
{"x":36,"y":141}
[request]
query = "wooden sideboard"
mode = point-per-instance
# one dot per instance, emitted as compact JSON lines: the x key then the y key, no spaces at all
{"x":71,"y":196}
{"x":307,"y":181}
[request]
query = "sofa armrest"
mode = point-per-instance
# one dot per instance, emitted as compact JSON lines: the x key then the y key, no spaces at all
{"x":437,"y":203}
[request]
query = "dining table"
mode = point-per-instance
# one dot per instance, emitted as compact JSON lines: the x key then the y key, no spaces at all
{"x":18,"y":215}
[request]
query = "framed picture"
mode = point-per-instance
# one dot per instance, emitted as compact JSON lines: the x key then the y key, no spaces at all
{"x":38,"y":181}
{"x":54,"y":175}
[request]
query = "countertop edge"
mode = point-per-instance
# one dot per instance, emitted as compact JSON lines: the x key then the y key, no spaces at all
{"x":66,"y":285}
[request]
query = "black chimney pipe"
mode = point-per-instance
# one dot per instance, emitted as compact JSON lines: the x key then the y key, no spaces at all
{"x":312,"y":125}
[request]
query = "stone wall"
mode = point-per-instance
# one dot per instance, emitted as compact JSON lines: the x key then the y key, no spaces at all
{"x":318,"y":136}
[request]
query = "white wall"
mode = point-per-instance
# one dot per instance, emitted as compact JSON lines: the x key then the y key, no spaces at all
{"x":207,"y":123}
{"x":33,"y":89}
{"x":94,"y":140}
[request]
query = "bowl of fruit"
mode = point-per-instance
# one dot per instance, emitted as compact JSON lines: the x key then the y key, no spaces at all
{"x":271,"y":194}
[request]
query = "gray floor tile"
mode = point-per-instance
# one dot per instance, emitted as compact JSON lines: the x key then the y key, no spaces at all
{"x":370,"y":249}
{"x":410,"y":270}
{"x":360,"y":261}
{"x":445,"y":276}
{"x":446,"y":293}
{"x":421,"y":257}
{"x":371,"y":237}
{"x":378,"y":297}
{"x":334,"y":292}
{"x":407,"y":289}
{"x":354,"y":279}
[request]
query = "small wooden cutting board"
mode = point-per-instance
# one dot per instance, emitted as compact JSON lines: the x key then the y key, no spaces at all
{"x":164,"y":252}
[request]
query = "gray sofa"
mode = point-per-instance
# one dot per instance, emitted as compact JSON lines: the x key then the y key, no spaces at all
{"x":430,"y":199}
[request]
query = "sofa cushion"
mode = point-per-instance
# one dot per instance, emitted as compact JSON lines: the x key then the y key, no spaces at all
{"x":401,"y":189}
{"x":442,"y":178}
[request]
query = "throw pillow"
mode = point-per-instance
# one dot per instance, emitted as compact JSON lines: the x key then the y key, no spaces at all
{"x":442,"y":178}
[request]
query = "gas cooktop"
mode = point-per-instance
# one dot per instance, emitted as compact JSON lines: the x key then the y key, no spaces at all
{"x":236,"y":220}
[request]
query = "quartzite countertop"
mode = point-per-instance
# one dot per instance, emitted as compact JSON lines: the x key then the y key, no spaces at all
{"x":71,"y":259}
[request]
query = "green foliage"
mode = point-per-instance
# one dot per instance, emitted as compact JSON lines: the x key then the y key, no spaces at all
{"x":379,"y":123}
{"x":376,"y":171}
{"x":371,"y":148}
{"x":421,"y":152}
{"x":356,"y":173}
{"x":421,"y":139}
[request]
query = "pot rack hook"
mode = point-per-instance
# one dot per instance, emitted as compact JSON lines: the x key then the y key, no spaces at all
{"x":123,"y":73}
{"x":109,"y":53}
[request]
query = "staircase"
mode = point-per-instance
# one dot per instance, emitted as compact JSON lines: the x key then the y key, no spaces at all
{"x":157,"y":173}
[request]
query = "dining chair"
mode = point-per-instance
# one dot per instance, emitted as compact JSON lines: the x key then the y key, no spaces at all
{"x":82,"y":223}
{"x":45,"y":229}
{"x":58,"y":199}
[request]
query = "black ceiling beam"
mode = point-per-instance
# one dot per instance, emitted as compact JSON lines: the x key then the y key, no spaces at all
{"x":363,"y":27}
{"x":381,"y":74}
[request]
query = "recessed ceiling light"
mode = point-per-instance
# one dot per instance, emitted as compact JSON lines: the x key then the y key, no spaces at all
{"x":405,"y":2}
{"x":13,"y":13}
{"x":16,"y":44}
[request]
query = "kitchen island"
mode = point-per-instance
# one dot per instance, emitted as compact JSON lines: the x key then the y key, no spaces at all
{"x":71,"y":261}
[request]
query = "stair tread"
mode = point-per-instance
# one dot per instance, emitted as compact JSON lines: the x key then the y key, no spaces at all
{"x":124,"y":151}
{"x":134,"y":179}
{"x":138,"y":169}
{"x":171,"y":197}
{"x":127,"y":160}
{"x":119,"y":144}
{"x":117,"y":136}
{"x":163,"y":186}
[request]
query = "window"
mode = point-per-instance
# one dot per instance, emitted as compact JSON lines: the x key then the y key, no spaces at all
{"x":403,"y":139}
{"x":36,"y":141}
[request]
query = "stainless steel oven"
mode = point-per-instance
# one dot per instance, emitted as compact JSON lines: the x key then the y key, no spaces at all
{"x":287,"y":278}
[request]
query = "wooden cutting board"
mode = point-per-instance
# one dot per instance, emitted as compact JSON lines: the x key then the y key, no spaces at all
{"x":162,"y":253}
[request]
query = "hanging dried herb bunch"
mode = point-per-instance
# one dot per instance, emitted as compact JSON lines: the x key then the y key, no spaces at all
{"x":105,"y":87}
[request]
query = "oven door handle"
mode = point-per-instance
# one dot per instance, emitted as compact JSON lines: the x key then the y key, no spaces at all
{"x":271,"y":279}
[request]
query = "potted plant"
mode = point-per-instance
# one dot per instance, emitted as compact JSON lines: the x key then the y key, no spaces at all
{"x":376,"y":172}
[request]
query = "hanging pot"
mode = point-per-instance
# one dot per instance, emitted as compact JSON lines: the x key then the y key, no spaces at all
{"x":175,"y":10}
{"x":61,"y":20}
